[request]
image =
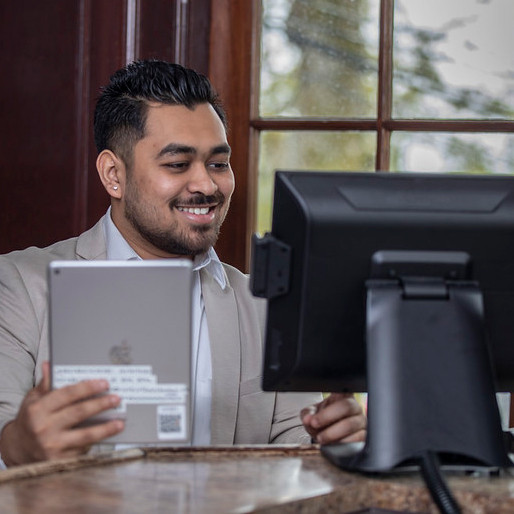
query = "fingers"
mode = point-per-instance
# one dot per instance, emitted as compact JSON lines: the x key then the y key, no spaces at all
{"x":67,"y":407}
{"x":44,"y":384}
{"x":331,"y":409}
{"x":335,"y":407}
{"x":46,"y":424}
{"x":59,"y":398}
{"x":349,"y":429}
{"x":356,"y":437}
{"x":23,"y":440}
{"x":79,"y":440}
{"x":78,"y":412}
{"x":52,"y":401}
{"x":309,"y":411}
{"x":55,"y":444}
{"x":339,"y":417}
{"x":43,"y":387}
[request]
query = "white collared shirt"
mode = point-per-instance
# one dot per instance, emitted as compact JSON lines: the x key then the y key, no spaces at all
{"x":201,"y":367}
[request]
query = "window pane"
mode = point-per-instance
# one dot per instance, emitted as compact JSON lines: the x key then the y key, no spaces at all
{"x":453,"y":59}
{"x":319,"y":58}
{"x":448,"y":152}
{"x":327,"y":151}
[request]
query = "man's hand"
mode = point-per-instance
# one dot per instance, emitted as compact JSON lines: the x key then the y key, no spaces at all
{"x":44,"y":427}
{"x":338,"y":418}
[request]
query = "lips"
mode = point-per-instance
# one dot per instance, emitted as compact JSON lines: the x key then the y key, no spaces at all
{"x":199,"y":208}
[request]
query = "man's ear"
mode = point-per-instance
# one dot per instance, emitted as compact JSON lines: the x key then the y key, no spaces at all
{"x":111,"y":170}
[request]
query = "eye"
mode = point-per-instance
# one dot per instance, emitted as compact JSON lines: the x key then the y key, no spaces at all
{"x":219,"y":166}
{"x":177,"y":166}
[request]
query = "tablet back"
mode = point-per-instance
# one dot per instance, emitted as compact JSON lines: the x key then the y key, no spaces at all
{"x":130,"y":323}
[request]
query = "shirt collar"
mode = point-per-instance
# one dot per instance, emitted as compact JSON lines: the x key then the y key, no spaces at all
{"x":119,"y":249}
{"x":212,"y":264}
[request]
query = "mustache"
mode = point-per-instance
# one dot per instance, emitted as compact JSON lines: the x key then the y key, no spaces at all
{"x":199,"y":200}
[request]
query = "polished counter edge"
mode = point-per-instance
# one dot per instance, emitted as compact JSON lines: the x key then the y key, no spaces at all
{"x":117,"y":456}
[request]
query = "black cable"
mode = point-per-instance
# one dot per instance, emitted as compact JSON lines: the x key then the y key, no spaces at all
{"x":439,"y":491}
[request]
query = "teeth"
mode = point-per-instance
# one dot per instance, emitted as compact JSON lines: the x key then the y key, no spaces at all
{"x":195,"y":210}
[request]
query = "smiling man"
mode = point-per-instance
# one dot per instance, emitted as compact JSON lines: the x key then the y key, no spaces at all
{"x":173,"y":196}
{"x":164,"y":159}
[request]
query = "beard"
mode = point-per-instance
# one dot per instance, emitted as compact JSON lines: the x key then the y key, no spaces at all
{"x":173,"y":239}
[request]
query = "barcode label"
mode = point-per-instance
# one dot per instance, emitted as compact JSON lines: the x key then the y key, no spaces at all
{"x":171,"y":422}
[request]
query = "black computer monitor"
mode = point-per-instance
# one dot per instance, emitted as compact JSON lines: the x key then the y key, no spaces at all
{"x":401,"y":285}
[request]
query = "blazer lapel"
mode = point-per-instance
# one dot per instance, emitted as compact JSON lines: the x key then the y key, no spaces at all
{"x":222,"y":320}
{"x":91,"y":244}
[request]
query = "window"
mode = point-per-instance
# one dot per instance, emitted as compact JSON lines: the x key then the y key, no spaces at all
{"x":389,"y":85}
{"x":367,"y":85}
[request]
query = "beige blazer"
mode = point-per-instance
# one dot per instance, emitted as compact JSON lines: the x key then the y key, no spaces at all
{"x":241,"y":412}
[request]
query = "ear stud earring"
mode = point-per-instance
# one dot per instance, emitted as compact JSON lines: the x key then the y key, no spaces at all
{"x":115,"y":188}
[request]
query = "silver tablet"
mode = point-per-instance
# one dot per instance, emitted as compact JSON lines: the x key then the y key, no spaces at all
{"x":130,"y":323}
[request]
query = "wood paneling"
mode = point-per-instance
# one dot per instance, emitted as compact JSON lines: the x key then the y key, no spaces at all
{"x":230,"y":72}
{"x":104,"y":51}
{"x":39,"y":130}
{"x":56,"y":54}
{"x":156,"y":31}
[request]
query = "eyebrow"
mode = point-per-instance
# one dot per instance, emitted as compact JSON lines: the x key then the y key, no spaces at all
{"x":176,"y":149}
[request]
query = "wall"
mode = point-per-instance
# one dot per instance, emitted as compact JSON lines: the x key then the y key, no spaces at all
{"x":55,"y":56}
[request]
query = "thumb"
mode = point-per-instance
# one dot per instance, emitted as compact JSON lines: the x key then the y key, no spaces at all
{"x":44,"y":384}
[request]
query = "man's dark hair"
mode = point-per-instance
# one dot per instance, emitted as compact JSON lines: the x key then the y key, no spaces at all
{"x":121,"y":110}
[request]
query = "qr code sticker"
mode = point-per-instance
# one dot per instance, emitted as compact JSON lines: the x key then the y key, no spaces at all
{"x":171,"y":422}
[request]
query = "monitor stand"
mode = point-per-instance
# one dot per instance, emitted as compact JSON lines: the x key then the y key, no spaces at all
{"x":430,"y":385}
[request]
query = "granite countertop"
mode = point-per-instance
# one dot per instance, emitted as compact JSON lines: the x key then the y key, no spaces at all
{"x":265,"y":479}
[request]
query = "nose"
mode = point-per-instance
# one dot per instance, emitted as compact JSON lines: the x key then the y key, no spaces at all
{"x":201,"y":181}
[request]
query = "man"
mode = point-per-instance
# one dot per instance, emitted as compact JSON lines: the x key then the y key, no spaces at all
{"x":164,"y":160}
